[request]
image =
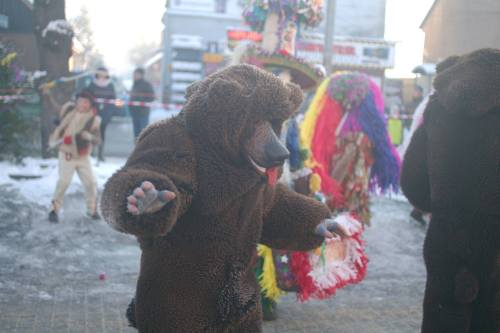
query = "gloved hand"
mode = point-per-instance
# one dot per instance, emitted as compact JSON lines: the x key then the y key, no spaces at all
{"x":329,"y":228}
{"x":147,"y":199}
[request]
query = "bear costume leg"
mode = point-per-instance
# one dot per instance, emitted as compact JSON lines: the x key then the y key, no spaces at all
{"x":442,"y":313}
{"x":456,"y":298}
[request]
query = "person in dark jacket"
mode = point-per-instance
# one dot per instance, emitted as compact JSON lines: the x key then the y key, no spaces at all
{"x":142,"y":91}
{"x":102,"y":88}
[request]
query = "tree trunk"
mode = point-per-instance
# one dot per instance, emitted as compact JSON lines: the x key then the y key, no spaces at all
{"x":54,"y":49}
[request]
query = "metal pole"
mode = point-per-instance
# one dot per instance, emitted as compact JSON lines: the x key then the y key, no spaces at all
{"x":329,"y":36}
{"x":165,"y":61}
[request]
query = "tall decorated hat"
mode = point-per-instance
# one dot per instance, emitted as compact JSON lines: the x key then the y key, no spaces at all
{"x":280,"y":22}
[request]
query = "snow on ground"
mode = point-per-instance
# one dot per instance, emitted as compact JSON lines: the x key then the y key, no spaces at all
{"x":40,"y":190}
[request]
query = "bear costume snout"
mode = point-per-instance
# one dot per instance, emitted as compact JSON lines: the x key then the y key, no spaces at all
{"x":226,"y":108}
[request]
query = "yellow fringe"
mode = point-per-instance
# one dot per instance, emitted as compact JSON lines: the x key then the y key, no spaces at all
{"x":314,"y":183}
{"x":267,"y":279}
{"x":8,"y":59}
{"x":308,"y":125}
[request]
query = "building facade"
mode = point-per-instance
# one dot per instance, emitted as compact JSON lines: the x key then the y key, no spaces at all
{"x":17,"y":31}
{"x":362,"y":19}
{"x":203,"y":21}
{"x":359,"y":25}
{"x":460,"y":26}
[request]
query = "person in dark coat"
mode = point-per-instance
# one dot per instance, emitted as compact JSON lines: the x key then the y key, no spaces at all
{"x":142,"y":91}
{"x":199,"y":192}
{"x":452,"y":170}
{"x":102,"y":87}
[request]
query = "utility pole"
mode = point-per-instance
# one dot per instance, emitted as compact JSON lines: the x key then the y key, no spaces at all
{"x":165,"y":60}
{"x":329,"y":36}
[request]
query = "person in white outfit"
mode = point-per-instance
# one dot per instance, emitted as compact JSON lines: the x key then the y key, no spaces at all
{"x":74,"y":137}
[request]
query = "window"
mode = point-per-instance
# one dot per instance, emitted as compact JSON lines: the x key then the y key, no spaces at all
{"x":220,"y":6}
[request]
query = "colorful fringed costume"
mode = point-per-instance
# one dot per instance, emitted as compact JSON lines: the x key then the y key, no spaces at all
{"x":345,"y":130}
{"x":350,"y":155}
{"x":316,"y":274}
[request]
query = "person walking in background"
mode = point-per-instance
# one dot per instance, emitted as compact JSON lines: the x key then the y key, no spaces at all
{"x":142,"y":91}
{"x":416,"y":98}
{"x":77,"y":131}
{"x":102,"y":87}
{"x":395,"y":126}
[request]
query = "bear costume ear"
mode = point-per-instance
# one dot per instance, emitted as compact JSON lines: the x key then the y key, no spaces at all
{"x":225,"y":94}
{"x":470,"y":85}
{"x":446,"y":63}
{"x":192,"y":89}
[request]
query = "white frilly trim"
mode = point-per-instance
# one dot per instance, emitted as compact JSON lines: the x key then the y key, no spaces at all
{"x":338,"y":273}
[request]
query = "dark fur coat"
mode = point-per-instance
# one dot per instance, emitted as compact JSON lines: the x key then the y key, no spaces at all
{"x":452,"y":169}
{"x":198,"y":252}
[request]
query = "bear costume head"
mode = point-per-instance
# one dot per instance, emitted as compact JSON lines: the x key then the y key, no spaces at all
{"x":234,"y":111}
{"x":469,"y":85}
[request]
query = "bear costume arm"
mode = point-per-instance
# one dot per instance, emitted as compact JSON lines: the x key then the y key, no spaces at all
{"x":414,"y":175}
{"x":163,"y":156}
{"x":291,"y":221}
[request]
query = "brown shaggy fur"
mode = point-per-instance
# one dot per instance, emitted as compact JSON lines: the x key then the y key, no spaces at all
{"x":198,"y":252}
{"x":452,"y":169}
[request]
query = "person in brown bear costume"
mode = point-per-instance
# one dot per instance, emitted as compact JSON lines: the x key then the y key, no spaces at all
{"x":199,"y":193}
{"x":452,"y":169}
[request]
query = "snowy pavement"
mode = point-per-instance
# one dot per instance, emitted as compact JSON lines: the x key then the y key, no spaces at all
{"x":79,"y":275}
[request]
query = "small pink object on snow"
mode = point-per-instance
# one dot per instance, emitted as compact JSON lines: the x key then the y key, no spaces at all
{"x":102,"y":276}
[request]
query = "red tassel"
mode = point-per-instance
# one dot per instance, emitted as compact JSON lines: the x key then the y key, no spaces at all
{"x":301,"y":267}
{"x":323,"y":148}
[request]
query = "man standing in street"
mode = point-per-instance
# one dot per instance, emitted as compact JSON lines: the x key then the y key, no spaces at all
{"x":102,"y":87}
{"x":77,"y":132}
{"x":142,"y":91}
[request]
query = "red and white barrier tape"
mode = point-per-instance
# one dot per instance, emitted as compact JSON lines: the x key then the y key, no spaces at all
{"x":117,"y":102}
{"x":12,"y":97}
{"x":121,"y":103}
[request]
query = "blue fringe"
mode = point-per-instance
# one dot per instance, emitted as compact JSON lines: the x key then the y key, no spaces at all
{"x":293,"y":145}
{"x":386,"y":167}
